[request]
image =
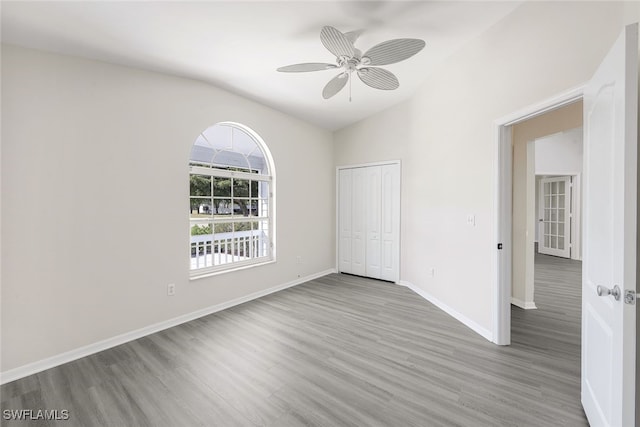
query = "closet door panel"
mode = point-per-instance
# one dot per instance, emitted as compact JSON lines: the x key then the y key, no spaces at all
{"x":390,"y":222}
{"x":372,"y":214}
{"x":344,"y":221}
{"x":358,"y":223}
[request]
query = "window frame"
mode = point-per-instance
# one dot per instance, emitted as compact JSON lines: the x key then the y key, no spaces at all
{"x":216,"y":170}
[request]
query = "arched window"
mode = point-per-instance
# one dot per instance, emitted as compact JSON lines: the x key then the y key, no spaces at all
{"x":231,"y":200}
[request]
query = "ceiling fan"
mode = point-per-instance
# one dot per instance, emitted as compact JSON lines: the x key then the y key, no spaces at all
{"x":350,"y":59}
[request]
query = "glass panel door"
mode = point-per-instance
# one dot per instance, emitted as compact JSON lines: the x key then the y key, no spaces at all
{"x":555,"y":216}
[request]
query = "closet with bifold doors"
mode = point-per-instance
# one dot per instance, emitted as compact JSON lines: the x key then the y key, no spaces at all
{"x":369,"y":220}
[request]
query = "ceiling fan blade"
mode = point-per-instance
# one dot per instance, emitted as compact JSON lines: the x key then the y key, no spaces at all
{"x":335,"y":85}
{"x":378,"y":78}
{"x":309,"y":66}
{"x":393,"y":51}
{"x":352,"y":36}
{"x":336,"y":42}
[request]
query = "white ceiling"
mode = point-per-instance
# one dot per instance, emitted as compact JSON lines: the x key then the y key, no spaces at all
{"x":238,"y":45}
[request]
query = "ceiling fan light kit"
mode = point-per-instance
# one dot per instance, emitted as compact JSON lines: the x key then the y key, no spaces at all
{"x":349,"y":59}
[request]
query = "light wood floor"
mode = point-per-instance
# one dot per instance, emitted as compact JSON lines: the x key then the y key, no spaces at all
{"x":336,"y":351}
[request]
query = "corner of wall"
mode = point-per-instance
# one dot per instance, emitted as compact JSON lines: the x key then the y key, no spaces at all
{"x":485,"y":333}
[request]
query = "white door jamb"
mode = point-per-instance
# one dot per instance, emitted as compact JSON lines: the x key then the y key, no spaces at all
{"x":501,"y":312}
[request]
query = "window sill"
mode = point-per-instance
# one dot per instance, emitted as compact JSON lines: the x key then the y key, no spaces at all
{"x":195,"y":275}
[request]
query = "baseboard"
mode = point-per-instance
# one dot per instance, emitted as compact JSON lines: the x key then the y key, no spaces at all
{"x":69,"y":356}
{"x":485,"y":333}
{"x":528,"y":305}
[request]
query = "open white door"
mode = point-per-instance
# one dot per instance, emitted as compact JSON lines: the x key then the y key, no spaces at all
{"x":609,"y":257}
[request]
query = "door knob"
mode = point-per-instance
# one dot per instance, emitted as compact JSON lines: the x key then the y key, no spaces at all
{"x":603,"y":292}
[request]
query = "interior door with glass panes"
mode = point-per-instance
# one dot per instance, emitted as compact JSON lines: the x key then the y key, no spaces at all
{"x":555,"y":216}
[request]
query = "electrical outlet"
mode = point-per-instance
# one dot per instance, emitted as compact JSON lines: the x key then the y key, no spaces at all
{"x":471,"y":220}
{"x":171,"y":289}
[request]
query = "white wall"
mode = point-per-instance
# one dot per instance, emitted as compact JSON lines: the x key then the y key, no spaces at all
{"x":95,"y":200}
{"x":560,"y":153}
{"x":444,"y":136}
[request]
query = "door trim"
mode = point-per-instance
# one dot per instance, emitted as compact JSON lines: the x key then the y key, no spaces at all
{"x":337,"y":212}
{"x":502,"y":215}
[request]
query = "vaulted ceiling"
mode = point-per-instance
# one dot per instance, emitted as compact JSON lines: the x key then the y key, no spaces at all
{"x":238,"y":45}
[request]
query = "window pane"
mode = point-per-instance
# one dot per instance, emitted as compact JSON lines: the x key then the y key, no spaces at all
{"x":223,"y":206}
{"x":201,"y":245}
{"x":242,"y":240}
{"x":560,"y":229}
{"x":263,"y":189}
{"x":223,"y":227}
{"x":198,"y":229}
{"x":554,"y":201}
{"x":546,"y":241}
{"x":257,"y":161}
{"x":218,"y":136}
{"x":202,"y":152}
{"x":243,"y":142}
{"x":242,"y":207}
{"x":200,"y":185}
{"x":242,"y":226}
{"x":561,"y":201}
{"x":561,"y":243}
{"x":230,"y":158}
{"x":263,"y":207}
{"x":260,"y":231}
{"x":547,"y":201}
{"x":255,"y":186}
{"x":240,"y":188}
{"x":221,"y":187}
{"x":554,"y":242}
{"x":561,"y":187}
{"x":560,"y":215}
{"x":223,"y":243}
{"x":252,"y":207}
{"x":200,"y":207}
{"x":554,"y":228}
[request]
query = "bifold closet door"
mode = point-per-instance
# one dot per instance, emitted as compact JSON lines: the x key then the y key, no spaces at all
{"x":369,"y":221}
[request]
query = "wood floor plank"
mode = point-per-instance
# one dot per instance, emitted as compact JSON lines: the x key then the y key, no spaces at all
{"x":337,"y":351}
